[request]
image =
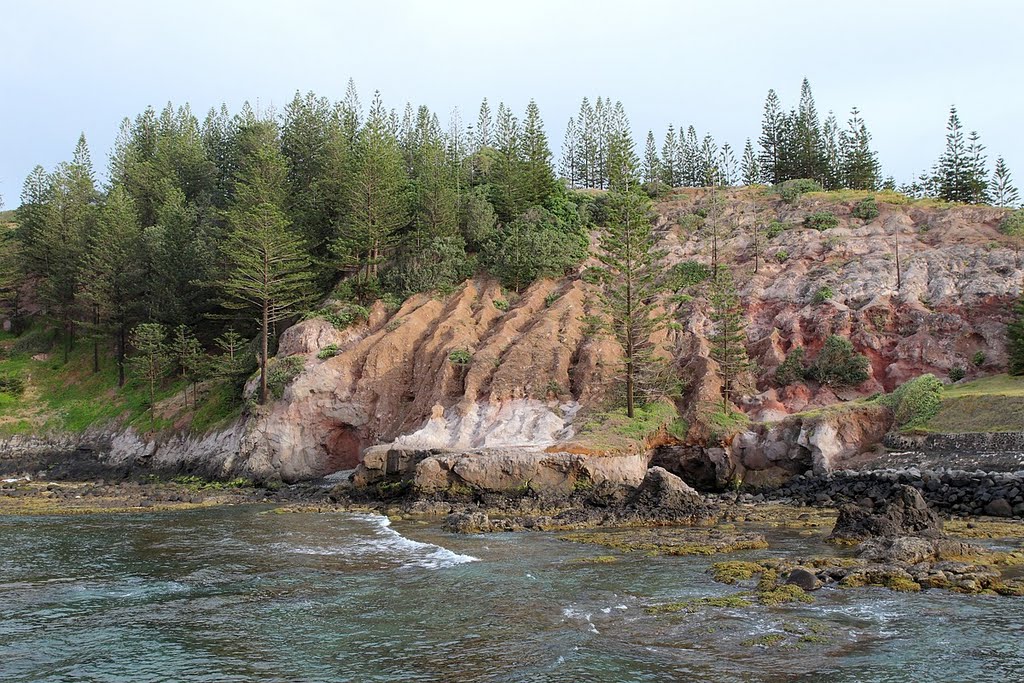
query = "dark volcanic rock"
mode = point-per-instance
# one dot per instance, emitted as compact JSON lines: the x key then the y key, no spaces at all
{"x":902,"y":513}
{"x":804,"y":579}
{"x":999,"y":507}
{"x":667,"y":495}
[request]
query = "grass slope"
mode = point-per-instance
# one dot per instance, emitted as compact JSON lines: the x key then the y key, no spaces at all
{"x":989,"y":404}
{"x":70,"y":397}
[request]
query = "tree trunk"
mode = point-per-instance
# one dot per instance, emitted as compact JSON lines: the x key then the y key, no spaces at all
{"x":95,"y":341}
{"x":263,"y":356}
{"x":120,"y":355}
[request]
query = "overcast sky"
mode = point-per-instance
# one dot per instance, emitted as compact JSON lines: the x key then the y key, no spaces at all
{"x":70,"y":67}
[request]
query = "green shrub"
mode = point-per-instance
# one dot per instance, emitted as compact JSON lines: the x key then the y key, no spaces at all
{"x":501,"y":304}
{"x":956,"y":373}
{"x":774,"y":229}
{"x":838,"y":364}
{"x":978,"y":359}
{"x":690,"y":223}
{"x":37,"y":340}
{"x":329,"y":351}
{"x":460,"y":357}
{"x":821,"y":221}
{"x":592,"y":275}
{"x":915,"y":402}
{"x":394,"y":324}
{"x":12,"y":384}
{"x":866,"y":209}
{"x":791,"y":370}
{"x":687,"y":274}
{"x":281,"y":372}
{"x":1013,"y":224}
{"x":782,"y":256}
{"x":823,"y":294}
{"x":341,"y":317}
{"x":791,"y":190}
{"x":551,"y":298}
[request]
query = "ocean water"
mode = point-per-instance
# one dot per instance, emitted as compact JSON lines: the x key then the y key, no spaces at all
{"x":236,"y":594}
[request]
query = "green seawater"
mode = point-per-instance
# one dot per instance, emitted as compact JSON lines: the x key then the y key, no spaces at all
{"x":234,"y":594}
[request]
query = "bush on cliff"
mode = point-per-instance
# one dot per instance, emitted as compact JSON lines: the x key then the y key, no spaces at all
{"x":866,"y":209}
{"x":914,"y":402}
{"x":791,"y":190}
{"x":838,"y":364}
{"x":821,"y":221}
{"x":791,"y":370}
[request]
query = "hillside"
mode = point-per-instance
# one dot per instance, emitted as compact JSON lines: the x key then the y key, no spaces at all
{"x":487,"y":368}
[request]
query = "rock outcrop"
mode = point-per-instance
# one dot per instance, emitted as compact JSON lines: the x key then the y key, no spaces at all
{"x":903,"y":512}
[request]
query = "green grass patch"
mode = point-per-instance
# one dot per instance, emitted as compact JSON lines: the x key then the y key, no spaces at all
{"x":989,"y":404}
{"x":614,"y":431}
{"x":70,"y":397}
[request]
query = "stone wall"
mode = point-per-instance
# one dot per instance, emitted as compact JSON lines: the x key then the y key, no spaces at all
{"x":952,"y":491}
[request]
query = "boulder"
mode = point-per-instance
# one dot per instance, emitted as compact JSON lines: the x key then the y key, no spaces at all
{"x":999,"y":507}
{"x":666,"y":495}
{"x":467,"y":522}
{"x":804,"y":579}
{"x":902,"y":513}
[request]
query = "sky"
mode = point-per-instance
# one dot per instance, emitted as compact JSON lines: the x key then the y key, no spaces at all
{"x":73,"y":67}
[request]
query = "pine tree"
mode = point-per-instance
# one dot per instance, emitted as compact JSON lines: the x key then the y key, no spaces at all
{"x":506,"y":174}
{"x":599,"y":167}
{"x":808,"y":151}
{"x":832,"y":169}
{"x":953,"y":174}
{"x":650,"y":169}
{"x":436,"y":198}
{"x":750,"y":169}
{"x":1015,"y":339}
{"x":538,"y":179}
{"x":482,"y":137}
{"x":570,"y":154}
{"x":858,"y":163}
{"x":150,"y":360}
{"x":350,"y":112}
{"x":691,"y":166}
{"x":586,"y":147}
{"x":267,"y":268}
{"x":378,"y":201}
{"x":710,"y":171}
{"x":669,"y":152}
{"x":186,"y":353}
{"x":1003,"y":191}
{"x":31,"y":221}
{"x":305,"y":141}
{"x":633,"y":276}
{"x":727,"y":165}
{"x":728,"y":338}
{"x":70,"y":219}
{"x":115,"y":271}
{"x":978,"y":165}
{"x":771,"y":139}
{"x":621,"y":160}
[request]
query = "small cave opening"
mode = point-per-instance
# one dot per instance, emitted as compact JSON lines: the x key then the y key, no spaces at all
{"x":343,"y":446}
{"x":692,"y":464}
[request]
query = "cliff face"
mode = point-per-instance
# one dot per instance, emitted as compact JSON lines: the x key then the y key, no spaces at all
{"x":466,"y":372}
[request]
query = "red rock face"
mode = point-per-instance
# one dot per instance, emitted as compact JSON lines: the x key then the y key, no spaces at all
{"x":958,"y":278}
